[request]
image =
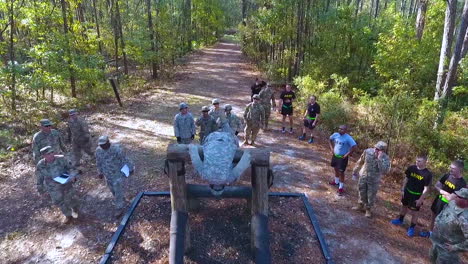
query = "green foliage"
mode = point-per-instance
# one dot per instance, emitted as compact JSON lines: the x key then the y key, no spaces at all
{"x":368,"y":71}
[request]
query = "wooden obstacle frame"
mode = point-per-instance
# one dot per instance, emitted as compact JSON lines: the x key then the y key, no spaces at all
{"x":180,"y":193}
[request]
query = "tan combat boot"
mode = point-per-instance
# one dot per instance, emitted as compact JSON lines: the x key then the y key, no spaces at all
{"x":359,"y":207}
{"x":368,"y":213}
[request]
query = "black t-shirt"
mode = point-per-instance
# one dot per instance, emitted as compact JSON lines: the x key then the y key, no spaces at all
{"x":450,"y":184}
{"x":313,"y":110}
{"x":417,"y":178}
{"x":256,"y":88}
{"x":287,"y":97}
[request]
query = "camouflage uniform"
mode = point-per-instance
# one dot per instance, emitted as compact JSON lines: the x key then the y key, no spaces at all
{"x":78,"y":135}
{"x":63,"y":195}
{"x":254,"y":116}
{"x":41,"y":139}
{"x":371,"y":172}
{"x":184,"y":127}
{"x":267,"y":97}
{"x":451,"y":227}
{"x":207,"y":125}
{"x":109,"y":162}
{"x":219,"y":113}
{"x":234,"y":122}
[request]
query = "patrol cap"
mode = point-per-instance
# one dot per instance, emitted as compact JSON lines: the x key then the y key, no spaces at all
{"x":228,"y":107}
{"x":215,"y":101}
{"x":256,"y":96}
{"x":381,"y":145}
{"x":183,"y":106}
{"x":46,"y":122}
{"x":205,"y":109}
{"x":72,"y":112}
{"x":103,"y":140}
{"x":463,"y":193}
{"x":46,"y":150}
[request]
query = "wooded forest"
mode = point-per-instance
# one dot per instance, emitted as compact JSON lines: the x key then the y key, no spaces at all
{"x":392,"y":69}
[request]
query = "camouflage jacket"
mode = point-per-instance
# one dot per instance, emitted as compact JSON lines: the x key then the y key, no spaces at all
{"x":234,"y":122}
{"x":451,"y":227}
{"x":184,"y":125}
{"x":78,"y":131}
{"x":41,"y":139}
{"x":46,"y":172}
{"x":371,"y":167}
{"x":109,"y":162}
{"x":254,"y":113}
{"x":217,"y":114}
{"x":267,"y":97}
{"x":207,"y":125}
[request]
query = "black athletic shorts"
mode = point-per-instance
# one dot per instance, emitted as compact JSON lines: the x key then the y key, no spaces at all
{"x":409,"y":200}
{"x":309,"y":123}
{"x":287,"y":110}
{"x":340,"y":163}
{"x":438,"y":205}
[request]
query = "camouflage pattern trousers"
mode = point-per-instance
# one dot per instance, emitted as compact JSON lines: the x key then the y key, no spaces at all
{"x":115,"y":185}
{"x":267,"y":108}
{"x":439,"y":255}
{"x":77,"y":148}
{"x":251,"y":131}
{"x":64,"y":197}
{"x":367,"y":191}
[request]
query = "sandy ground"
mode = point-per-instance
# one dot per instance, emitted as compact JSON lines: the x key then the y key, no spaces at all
{"x":31,"y":229}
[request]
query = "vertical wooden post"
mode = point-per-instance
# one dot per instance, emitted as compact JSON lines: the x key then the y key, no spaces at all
{"x":178,"y":189}
{"x":259,"y":227}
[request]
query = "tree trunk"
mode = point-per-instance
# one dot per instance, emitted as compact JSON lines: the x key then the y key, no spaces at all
{"x":456,"y":56}
{"x":376,"y":11}
{"x":12,"y":57}
{"x":465,"y":46}
{"x":449,"y":26}
{"x":154,"y":66}
{"x":357,"y":7}
{"x":188,"y":7}
{"x":122,"y":42}
{"x":98,"y":30}
{"x":421,"y":19}
{"x":67,"y":48}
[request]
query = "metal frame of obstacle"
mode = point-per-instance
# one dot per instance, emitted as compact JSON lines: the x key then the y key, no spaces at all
{"x":310,"y":213}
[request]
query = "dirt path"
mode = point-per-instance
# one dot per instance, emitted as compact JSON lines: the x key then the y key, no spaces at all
{"x":30,"y":231}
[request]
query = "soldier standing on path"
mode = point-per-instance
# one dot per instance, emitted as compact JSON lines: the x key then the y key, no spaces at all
{"x":217,"y":112}
{"x":311,"y":116}
{"x":446,"y":186}
{"x":450,"y":235}
{"x":254,"y":117}
{"x":286,"y":107}
{"x":234,"y":121}
{"x":79,"y":136}
{"x":267,"y":98}
{"x":184,"y":125}
{"x":47,"y":137}
{"x":63,"y":195}
{"x":342,"y":146}
{"x":372,"y":165}
{"x":110,"y":160}
{"x":415,"y":188}
{"x":256,"y":87}
{"x":206,"y":123}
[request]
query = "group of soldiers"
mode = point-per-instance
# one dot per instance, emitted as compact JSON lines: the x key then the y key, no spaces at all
{"x":449,"y":224}
{"x":56,"y":174}
{"x":448,"y":229}
{"x":256,"y":116}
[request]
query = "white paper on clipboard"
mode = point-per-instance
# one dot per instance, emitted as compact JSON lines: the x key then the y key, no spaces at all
{"x":125,"y":170}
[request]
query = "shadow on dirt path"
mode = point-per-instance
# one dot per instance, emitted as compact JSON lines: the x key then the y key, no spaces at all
{"x":30,"y":229}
